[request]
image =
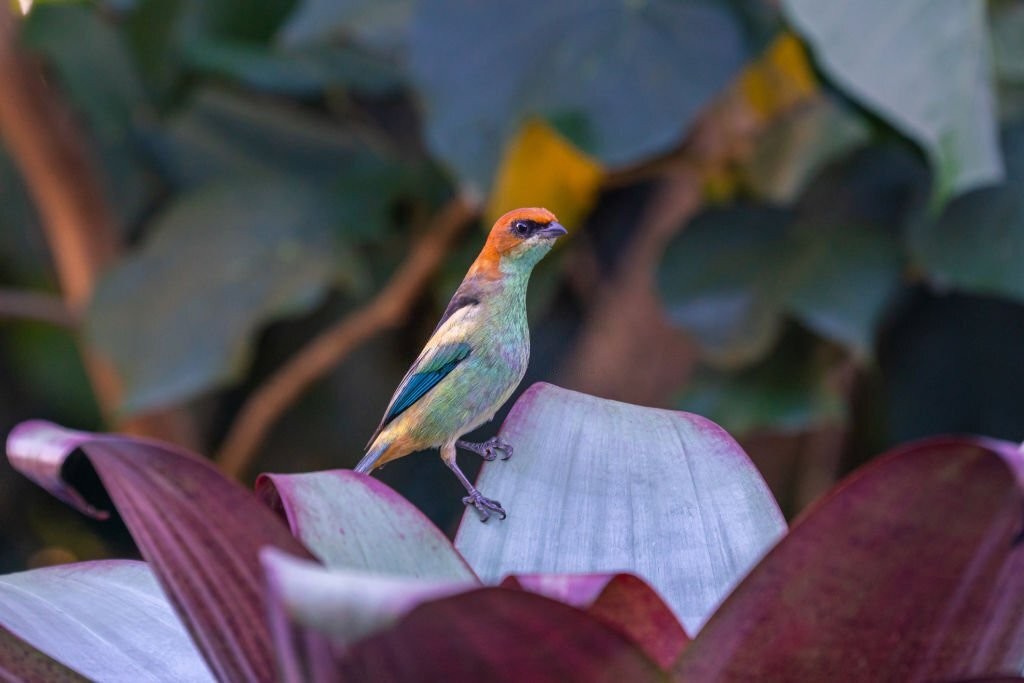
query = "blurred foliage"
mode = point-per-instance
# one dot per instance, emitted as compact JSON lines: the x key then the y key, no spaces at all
{"x":269,"y":162}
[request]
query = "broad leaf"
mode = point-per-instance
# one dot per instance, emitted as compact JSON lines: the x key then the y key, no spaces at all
{"x":621,"y":601}
{"x":726,"y":277}
{"x":1007,"y":26}
{"x":602,"y":486}
{"x":107,"y":620}
{"x":788,"y":390}
{"x":199,"y":531}
{"x":922,"y":66}
{"x":352,"y":521}
{"x":910,"y":569}
{"x":623,"y":80}
{"x":476,"y":634}
{"x":176,"y":317}
{"x":978,"y":242}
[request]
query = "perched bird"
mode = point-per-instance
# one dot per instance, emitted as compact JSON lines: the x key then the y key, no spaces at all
{"x":475,"y":358}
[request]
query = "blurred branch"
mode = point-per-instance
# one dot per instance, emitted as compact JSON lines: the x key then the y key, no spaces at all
{"x":38,"y":306}
{"x":41,"y":134}
{"x":325,"y":351}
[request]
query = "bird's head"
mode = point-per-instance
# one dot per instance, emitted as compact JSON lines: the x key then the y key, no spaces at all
{"x":518,"y":240}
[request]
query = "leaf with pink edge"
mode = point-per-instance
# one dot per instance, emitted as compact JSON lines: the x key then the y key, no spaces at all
{"x":106,"y":620}
{"x":911,"y":569}
{"x":352,"y":521}
{"x":622,"y":601}
{"x":341,"y":625}
{"x":601,"y":486}
{"x":200,"y":532}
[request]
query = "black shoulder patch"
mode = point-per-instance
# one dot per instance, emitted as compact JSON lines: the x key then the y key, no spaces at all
{"x":459,"y":301}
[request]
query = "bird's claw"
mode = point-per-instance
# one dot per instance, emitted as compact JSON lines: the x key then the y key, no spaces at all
{"x":484,"y":506}
{"x":490,"y":450}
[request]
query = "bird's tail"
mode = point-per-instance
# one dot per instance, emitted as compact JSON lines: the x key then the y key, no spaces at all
{"x":369,"y":460}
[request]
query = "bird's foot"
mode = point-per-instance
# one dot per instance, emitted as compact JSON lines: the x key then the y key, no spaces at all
{"x":490,"y":449}
{"x":484,"y":506}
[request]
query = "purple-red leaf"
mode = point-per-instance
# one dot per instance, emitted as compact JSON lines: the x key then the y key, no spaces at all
{"x":481,"y":634}
{"x":353,"y":521}
{"x":911,"y":569}
{"x":622,"y":601}
{"x":107,"y":620}
{"x":603,"y":486}
{"x":200,"y":532}
{"x":19,"y":661}
{"x":316,"y":613}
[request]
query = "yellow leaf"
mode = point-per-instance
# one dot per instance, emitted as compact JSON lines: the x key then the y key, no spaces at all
{"x":780,"y":79}
{"x":542,"y":168}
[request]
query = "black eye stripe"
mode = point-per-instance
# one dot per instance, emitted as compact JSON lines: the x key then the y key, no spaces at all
{"x":525,"y":228}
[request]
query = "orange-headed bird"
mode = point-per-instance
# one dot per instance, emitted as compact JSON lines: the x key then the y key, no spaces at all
{"x":475,"y":358}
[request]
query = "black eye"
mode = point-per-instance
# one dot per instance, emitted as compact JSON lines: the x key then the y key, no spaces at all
{"x":521,"y":228}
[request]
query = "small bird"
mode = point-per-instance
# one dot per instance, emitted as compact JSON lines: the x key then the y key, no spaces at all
{"x":474,"y":359}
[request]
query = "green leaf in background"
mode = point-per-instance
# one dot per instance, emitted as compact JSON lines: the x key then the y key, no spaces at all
{"x":923,"y":66}
{"x":379,"y":24}
{"x":221,"y":134}
{"x":725,"y":278}
{"x":789,"y":390}
{"x":851,"y":274}
{"x":1006,"y":19}
{"x":177,"y":316}
{"x":301,"y":73}
{"x":977,"y":244}
{"x":789,"y":154}
{"x":623,"y":80}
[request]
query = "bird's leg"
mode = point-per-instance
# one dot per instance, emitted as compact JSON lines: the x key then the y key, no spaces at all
{"x":490,"y":449}
{"x":484,"y":506}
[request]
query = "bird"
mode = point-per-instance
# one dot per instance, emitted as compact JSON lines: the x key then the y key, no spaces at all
{"x":474,"y":359}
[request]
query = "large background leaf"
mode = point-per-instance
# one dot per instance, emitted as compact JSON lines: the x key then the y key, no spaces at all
{"x":923,"y":66}
{"x":107,"y":620}
{"x":911,"y":569}
{"x":604,"y":72}
{"x":598,"y":486}
{"x":177,"y":316}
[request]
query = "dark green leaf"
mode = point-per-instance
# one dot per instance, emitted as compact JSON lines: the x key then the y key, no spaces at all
{"x":301,"y":73}
{"x":382,"y":24}
{"x":629,"y":76}
{"x":978,"y":243}
{"x":789,"y":390}
{"x":726,"y":277}
{"x":1006,"y":18}
{"x":923,"y":67}
{"x":850,"y":275}
{"x":176,"y":317}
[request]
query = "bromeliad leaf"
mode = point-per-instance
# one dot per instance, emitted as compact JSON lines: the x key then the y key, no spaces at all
{"x":200,"y":532}
{"x":107,"y":620}
{"x":352,"y":521}
{"x":602,"y":486}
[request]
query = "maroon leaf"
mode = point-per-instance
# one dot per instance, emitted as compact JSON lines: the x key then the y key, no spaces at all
{"x":354,"y":521}
{"x":200,"y":532}
{"x":19,"y":661}
{"x":911,"y":569}
{"x":477,"y":634}
{"x":622,"y":601}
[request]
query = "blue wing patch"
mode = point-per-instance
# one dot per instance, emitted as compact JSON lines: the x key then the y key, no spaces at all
{"x":425,"y":379}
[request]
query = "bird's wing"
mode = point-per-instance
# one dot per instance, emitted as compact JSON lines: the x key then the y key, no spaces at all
{"x":431,"y":367}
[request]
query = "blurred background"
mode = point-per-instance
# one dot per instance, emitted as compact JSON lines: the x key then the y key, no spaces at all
{"x":232,"y":224}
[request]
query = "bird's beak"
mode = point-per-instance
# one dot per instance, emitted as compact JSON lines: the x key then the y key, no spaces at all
{"x":552,"y":230}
